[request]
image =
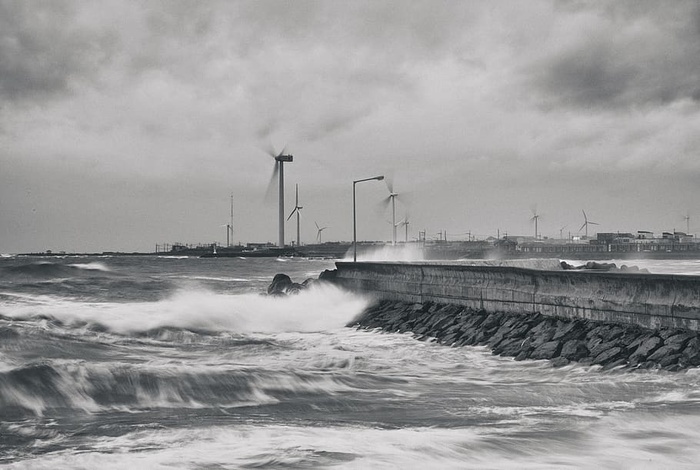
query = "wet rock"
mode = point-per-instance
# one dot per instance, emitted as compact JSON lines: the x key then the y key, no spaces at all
{"x":616,"y":363}
{"x":328,"y":275}
{"x":664,"y":351}
{"x":691,"y":353}
{"x":560,"y":362}
{"x":534,"y":336}
{"x":645,"y":349}
{"x":609,"y":355}
{"x":681,"y":338}
{"x":574,"y":350}
{"x":602,"y":347}
{"x":279,"y":285}
{"x":547,"y":350}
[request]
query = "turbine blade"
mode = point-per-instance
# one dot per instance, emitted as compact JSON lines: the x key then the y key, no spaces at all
{"x":593,"y":223}
{"x":316,"y":224}
{"x":270,"y":150}
{"x":582,"y":226}
{"x":270,"y":193}
{"x":292,"y":213}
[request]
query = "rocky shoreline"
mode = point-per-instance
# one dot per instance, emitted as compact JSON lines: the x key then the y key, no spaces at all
{"x":536,"y":336}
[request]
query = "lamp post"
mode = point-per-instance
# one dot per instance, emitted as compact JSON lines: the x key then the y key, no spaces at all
{"x":354,"y":214}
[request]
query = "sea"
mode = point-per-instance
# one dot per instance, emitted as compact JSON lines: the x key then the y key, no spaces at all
{"x":147,"y":362}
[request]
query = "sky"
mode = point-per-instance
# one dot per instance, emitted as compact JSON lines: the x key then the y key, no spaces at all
{"x":126,"y":124}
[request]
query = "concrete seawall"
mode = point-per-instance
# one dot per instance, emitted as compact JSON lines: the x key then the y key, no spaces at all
{"x":648,"y":300}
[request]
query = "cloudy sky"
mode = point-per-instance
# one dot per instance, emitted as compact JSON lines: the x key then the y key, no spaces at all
{"x":129,"y":123}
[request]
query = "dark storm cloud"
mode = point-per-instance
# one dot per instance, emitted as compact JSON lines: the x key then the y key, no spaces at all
{"x":633,"y":54}
{"x":43,"y":53}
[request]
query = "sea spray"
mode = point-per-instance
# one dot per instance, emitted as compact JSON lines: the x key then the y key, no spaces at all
{"x":318,"y":308}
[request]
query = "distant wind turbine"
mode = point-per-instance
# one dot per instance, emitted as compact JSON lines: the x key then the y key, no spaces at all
{"x":278,"y":173}
{"x":687,"y":224}
{"x":405,"y":222}
{"x":586,"y":223}
{"x":561,"y":230}
{"x":297,"y":209}
{"x":391,"y":199}
{"x":535,"y":217}
{"x":318,"y":233}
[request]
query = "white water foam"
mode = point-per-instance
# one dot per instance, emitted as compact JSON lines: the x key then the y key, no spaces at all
{"x":388,"y":253}
{"x":94,"y":266}
{"x":319,"y":308}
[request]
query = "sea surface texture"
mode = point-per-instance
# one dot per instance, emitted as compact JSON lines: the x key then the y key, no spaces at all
{"x":155,"y":362}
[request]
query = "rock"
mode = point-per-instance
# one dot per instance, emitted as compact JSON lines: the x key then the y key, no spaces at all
{"x":574,"y":350}
{"x":669,"y":360}
{"x":560,"y":362}
{"x":509,"y":347}
{"x":328,"y":275}
{"x":646,"y":348}
{"x":681,"y":338}
{"x":608,"y":355}
{"x":602,"y":347}
{"x":617,"y":363}
{"x":664,"y":351}
{"x":568,"y":330}
{"x":547,"y":350}
{"x":691,"y":353}
{"x":279,"y":285}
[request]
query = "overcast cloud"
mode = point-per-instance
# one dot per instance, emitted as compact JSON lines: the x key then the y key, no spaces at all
{"x":129,"y":123}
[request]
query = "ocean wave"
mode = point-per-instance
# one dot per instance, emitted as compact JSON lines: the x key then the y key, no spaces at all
{"x":46,"y":269}
{"x":319,"y":308}
{"x":44,"y":387}
{"x":94,"y":266}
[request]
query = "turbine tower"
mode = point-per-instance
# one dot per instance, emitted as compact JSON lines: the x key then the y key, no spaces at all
{"x":535,"y":217}
{"x":391,"y":199}
{"x":318,"y":233}
{"x":405,"y":222}
{"x":586,"y":223}
{"x":687,"y":224}
{"x":278,"y":172}
{"x":297,"y":209}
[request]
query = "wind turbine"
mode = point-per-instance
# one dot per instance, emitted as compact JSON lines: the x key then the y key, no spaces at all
{"x":535,"y":217}
{"x":561,"y":230}
{"x":391,"y":199}
{"x":405,"y":223}
{"x":278,"y":172}
{"x":318,"y":234}
{"x":229,"y":230}
{"x":586,"y":223}
{"x":297,"y":209}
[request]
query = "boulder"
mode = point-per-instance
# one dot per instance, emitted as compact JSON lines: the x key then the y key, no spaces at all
{"x":574,"y":350}
{"x":647,"y":347}
{"x":547,"y":350}
{"x":279,"y":285}
{"x":607,"y":356}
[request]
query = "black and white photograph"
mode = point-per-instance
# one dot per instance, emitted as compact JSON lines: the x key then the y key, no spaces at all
{"x":363,"y":234}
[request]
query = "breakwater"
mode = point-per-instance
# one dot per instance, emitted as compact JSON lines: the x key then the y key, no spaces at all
{"x":536,"y":336}
{"x":647,"y":300}
{"x":611,"y":319}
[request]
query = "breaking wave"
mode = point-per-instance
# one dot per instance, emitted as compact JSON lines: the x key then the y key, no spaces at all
{"x":319,"y":308}
{"x":45,"y":269}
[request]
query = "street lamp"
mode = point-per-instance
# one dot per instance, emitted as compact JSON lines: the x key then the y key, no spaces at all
{"x":354,"y":212}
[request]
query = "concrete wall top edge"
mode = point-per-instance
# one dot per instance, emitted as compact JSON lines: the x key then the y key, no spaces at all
{"x":348,"y":265}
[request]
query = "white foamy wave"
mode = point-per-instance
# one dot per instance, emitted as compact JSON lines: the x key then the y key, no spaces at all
{"x":213,"y":278}
{"x":319,"y":308}
{"x":388,"y":253}
{"x":94,"y":266}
